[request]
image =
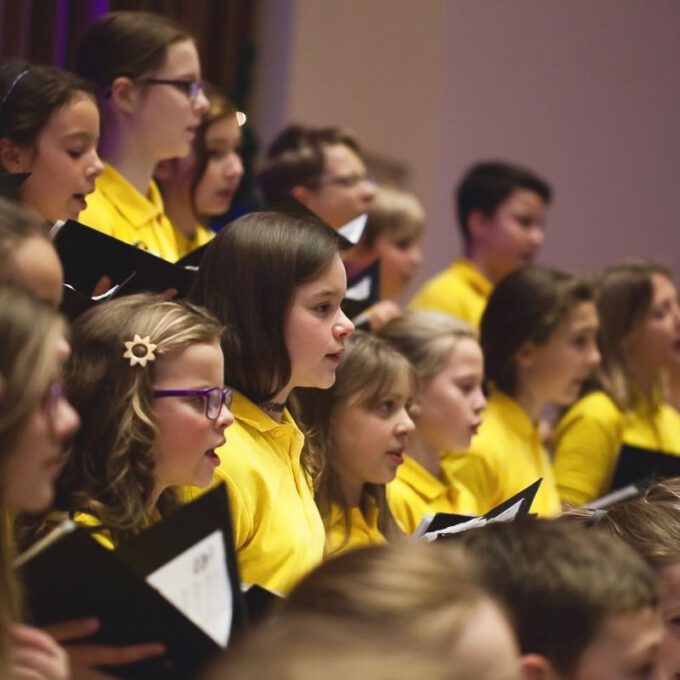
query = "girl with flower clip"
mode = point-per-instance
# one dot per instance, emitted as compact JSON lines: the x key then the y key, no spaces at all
{"x":49,"y":127}
{"x":359,"y":427}
{"x":277,"y":283}
{"x":146,"y":376}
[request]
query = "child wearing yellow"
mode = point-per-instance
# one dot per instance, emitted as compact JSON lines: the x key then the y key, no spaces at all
{"x":625,"y":413}
{"x":277,"y":283}
{"x":501,"y":215}
{"x":148,"y":75}
{"x":538,"y":338}
{"x":446,"y":355}
{"x":360,"y":427}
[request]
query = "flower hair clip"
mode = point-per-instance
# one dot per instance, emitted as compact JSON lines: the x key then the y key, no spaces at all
{"x":139,"y":350}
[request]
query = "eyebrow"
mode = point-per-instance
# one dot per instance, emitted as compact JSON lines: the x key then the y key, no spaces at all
{"x":328,"y":292}
{"x":78,"y":136}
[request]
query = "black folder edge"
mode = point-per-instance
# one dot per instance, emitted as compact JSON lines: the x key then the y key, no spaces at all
{"x":87,"y":254}
{"x":145,"y":615}
{"x":444,"y":520}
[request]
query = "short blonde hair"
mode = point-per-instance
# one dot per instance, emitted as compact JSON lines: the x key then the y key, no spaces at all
{"x":396,"y":213}
{"x":426,"y":339}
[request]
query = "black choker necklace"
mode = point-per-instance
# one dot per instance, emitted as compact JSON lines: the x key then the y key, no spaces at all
{"x":274,"y":406}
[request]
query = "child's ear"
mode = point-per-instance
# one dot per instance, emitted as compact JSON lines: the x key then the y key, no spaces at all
{"x":524,"y":356}
{"x":13,"y":157}
{"x":124,"y":94}
{"x":536,"y":667}
{"x":477,"y":222}
{"x":300,"y":193}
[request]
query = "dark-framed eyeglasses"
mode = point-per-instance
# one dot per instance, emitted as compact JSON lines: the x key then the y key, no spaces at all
{"x":191,"y":88}
{"x":214,"y":398}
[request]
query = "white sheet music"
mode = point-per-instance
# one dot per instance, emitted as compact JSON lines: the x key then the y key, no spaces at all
{"x":197,"y":583}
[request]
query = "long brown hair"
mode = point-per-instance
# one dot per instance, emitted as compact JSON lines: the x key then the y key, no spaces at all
{"x":30,"y":331}
{"x":624,"y":297}
{"x":365,"y":375}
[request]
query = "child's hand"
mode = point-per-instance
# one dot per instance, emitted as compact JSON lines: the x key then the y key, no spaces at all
{"x":86,"y":657}
{"x":34,"y":655}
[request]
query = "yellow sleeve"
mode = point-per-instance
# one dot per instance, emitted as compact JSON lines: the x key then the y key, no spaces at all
{"x":587,"y":443}
{"x":102,"y":536}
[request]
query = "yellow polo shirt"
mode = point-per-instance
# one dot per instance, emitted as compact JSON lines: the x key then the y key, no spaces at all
{"x":460,"y":290}
{"x":506,"y":456}
{"x":416,"y":492}
{"x":363,"y":530}
{"x":278,"y":532}
{"x":186,"y":245}
{"x":116,"y":208}
{"x":593,"y":434}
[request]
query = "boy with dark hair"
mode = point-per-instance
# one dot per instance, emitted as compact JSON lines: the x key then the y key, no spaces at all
{"x":320,"y":167}
{"x":501,"y":214}
{"x":585,"y":606}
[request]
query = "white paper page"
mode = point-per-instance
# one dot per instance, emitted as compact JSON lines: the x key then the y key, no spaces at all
{"x":197,"y":583}
{"x":354,"y":229}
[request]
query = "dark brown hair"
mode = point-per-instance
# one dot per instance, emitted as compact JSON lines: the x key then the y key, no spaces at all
{"x":296,"y":157}
{"x":30,"y":94}
{"x":131,"y":44}
{"x":560,"y":582}
{"x":528,"y":305}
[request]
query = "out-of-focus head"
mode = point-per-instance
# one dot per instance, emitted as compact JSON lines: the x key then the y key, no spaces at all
{"x":320,"y":167}
{"x":27,"y":257}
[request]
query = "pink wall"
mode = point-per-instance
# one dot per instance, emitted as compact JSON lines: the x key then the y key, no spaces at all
{"x":588,"y":93}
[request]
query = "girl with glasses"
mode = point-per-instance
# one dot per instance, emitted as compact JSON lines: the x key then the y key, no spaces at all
{"x":35,"y":420}
{"x":148,"y":75}
{"x":276,"y":282}
{"x":146,"y":376}
{"x":203,"y":184}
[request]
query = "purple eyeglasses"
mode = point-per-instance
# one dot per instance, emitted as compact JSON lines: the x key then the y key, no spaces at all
{"x":214,"y":398}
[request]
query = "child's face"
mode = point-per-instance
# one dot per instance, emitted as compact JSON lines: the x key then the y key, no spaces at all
{"x":164,"y":117}
{"x":34,"y":464}
{"x":670,"y":648}
{"x":184,"y":449}
{"x":556,"y":371}
{"x":451,"y":402}
{"x":627,"y":647}
{"x":64,"y":162}
{"x":400,"y":260}
{"x":655,"y":344}
{"x":222,"y":176}
{"x":369,"y":442}
{"x":512,"y":237}
{"x":344,"y":191}
{"x":316,"y":329}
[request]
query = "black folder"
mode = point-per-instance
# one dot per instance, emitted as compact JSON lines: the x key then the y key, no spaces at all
{"x":445,"y":520}
{"x":87,"y":254}
{"x":72,"y":576}
{"x":635,"y":465}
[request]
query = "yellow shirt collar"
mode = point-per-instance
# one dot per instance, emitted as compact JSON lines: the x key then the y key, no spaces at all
{"x":135,"y":207}
{"x":470,"y":273}
{"x":516,"y":416}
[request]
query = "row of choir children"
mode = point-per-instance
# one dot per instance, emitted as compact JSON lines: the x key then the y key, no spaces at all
{"x":335,"y":439}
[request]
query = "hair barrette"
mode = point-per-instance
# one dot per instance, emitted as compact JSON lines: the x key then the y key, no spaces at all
{"x":139,"y":350}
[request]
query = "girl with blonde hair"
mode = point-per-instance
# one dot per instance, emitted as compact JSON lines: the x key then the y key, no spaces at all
{"x":446,"y":355}
{"x":146,"y":376}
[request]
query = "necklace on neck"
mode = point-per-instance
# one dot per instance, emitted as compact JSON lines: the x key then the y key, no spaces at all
{"x":273,"y":406}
